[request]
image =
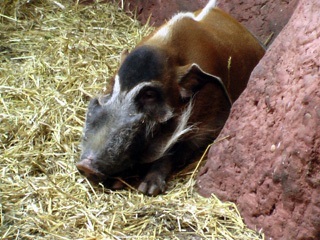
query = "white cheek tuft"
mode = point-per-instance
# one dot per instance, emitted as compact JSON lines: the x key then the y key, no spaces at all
{"x":180,"y":130}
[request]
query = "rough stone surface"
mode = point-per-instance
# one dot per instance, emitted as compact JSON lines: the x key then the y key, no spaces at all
{"x":264,"y":18}
{"x":161,"y":10}
{"x":269,"y":162}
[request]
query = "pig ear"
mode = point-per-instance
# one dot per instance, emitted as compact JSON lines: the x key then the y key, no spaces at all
{"x":150,"y":100}
{"x":123,"y":55}
{"x":191,"y":78}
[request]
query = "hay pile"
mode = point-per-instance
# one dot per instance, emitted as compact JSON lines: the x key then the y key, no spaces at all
{"x":54,"y":55}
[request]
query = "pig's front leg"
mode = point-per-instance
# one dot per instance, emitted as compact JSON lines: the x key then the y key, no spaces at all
{"x":154,"y":182}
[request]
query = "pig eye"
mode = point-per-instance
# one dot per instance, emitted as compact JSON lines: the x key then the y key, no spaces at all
{"x":150,"y":100}
{"x":149,"y":96}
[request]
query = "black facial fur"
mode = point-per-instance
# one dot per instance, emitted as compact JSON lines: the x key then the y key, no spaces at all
{"x":143,"y":64}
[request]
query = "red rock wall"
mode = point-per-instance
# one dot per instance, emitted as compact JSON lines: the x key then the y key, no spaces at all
{"x":161,"y":10}
{"x":265,"y":18}
{"x":270,"y":163}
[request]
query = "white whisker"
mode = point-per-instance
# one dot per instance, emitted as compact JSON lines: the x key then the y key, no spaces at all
{"x":181,"y":130}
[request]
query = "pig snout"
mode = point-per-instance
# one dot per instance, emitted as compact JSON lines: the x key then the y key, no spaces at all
{"x":86,"y":168}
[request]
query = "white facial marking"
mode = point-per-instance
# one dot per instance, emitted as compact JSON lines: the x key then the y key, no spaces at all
{"x":134,"y":91}
{"x":125,"y":99}
{"x":116,"y":89}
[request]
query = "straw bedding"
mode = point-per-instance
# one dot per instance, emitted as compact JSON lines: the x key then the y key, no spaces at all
{"x":54,"y":56}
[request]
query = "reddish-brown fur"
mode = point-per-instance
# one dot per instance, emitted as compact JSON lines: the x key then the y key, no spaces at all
{"x":212,"y":43}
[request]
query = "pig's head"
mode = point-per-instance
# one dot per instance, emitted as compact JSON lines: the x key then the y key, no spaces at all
{"x":145,"y":114}
{"x":118,"y":128}
{"x":119,"y":125}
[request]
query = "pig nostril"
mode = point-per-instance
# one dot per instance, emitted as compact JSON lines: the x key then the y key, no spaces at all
{"x":85,"y":168}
